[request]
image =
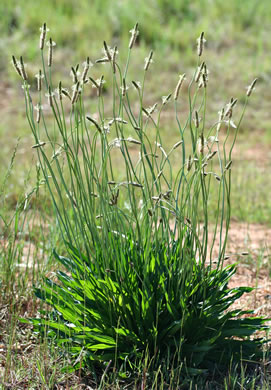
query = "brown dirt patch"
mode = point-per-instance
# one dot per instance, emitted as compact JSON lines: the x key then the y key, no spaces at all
{"x":243,"y":236}
{"x":254,"y":269}
{"x":260,"y":154}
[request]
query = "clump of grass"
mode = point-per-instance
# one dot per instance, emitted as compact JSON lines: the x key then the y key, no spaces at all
{"x":142,"y":288}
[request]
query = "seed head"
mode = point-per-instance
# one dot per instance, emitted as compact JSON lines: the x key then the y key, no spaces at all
{"x":135,"y":184}
{"x":66,"y":93}
{"x":134,"y":33}
{"x":211,"y":155}
{"x":137,"y":85}
{"x":106,"y":128}
{"x":201,"y":41}
{"x":59,"y":90}
{"x":39,"y":76}
{"x":76,"y":90}
{"x":228,"y":166}
{"x":98,"y":84}
{"x":251,"y":87}
{"x":166,"y":195}
{"x":17,"y":66}
{"x":150,"y":110}
{"x":116,"y":143}
{"x":199,"y":71}
{"x":110,"y":123}
{"x":178,"y":87}
{"x":203,"y":78}
{"x":189,"y":163}
{"x":196,"y":119}
{"x":229,"y":107}
{"x":102,"y":60}
{"x":87,"y":65}
{"x":50,"y":95}
{"x":38,"y":108}
{"x":233,"y":102}
{"x":115,"y":52}
{"x":107,"y":51}
{"x":39,"y":145}
{"x":74,"y":73}
{"x":95,"y":85}
{"x":120,"y":120}
{"x":114,"y":200}
{"x":123,"y":88}
{"x":133,"y":141}
{"x":43,"y":31}
{"x":57,"y":152}
{"x":177,"y":145}
{"x":162,"y":149}
{"x":148,"y":61}
{"x":50,"y":45}
{"x":92,"y":120}
{"x":220,"y":119}
{"x":165,"y":99}
{"x":230,"y":122}
{"x":201,"y":144}
{"x":22,"y":67}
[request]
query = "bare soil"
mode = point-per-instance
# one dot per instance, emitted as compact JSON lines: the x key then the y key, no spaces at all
{"x":254,"y":269}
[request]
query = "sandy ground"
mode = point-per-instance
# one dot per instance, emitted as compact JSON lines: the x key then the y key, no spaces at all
{"x":253,"y":269}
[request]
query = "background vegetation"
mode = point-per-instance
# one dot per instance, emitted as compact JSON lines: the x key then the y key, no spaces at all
{"x":238,"y":48}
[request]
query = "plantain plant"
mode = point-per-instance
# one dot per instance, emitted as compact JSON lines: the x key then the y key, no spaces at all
{"x":145,"y":281}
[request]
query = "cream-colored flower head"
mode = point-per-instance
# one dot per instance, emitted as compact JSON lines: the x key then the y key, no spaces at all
{"x":178,"y":87}
{"x":201,"y":41}
{"x":43,"y":32}
{"x":134,"y":33}
{"x":251,"y":87}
